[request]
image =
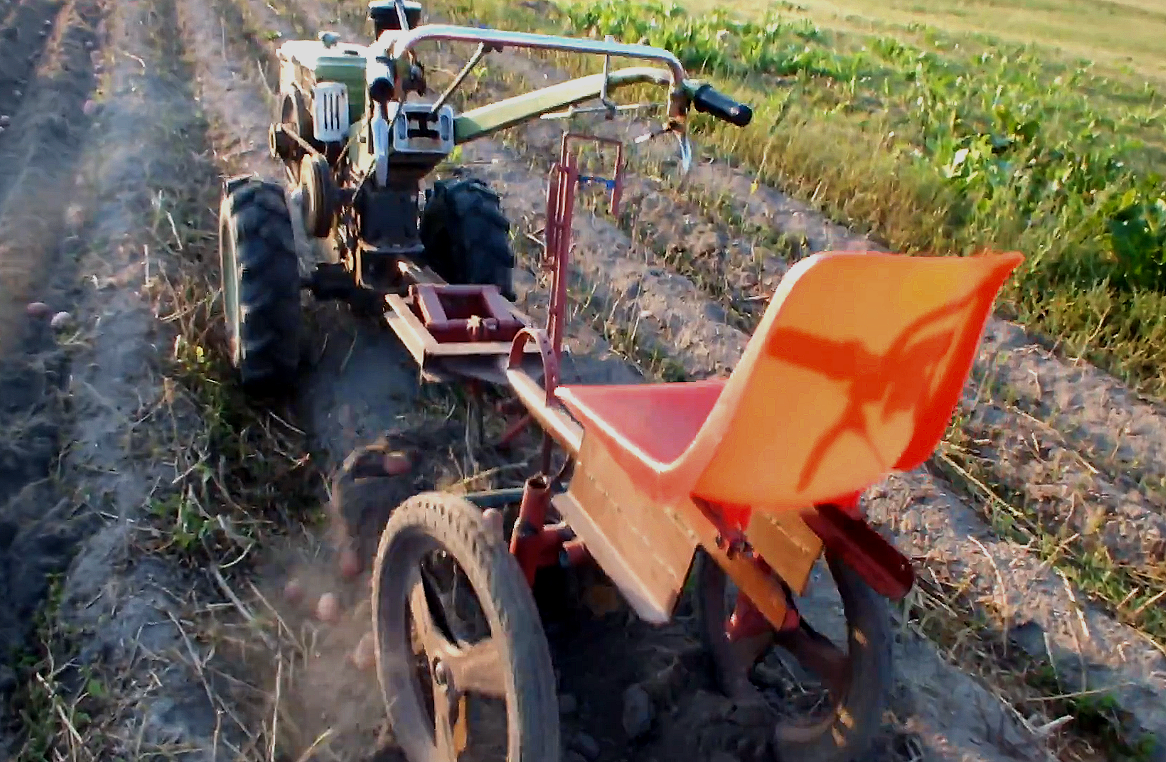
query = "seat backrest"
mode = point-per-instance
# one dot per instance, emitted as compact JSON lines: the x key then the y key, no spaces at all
{"x":854,"y":372}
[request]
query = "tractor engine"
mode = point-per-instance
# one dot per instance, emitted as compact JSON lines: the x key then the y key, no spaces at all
{"x":357,"y":146}
{"x":403,"y":142}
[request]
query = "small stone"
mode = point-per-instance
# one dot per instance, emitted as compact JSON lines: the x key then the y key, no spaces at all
{"x":38,"y":309}
{"x":293,"y":591}
{"x":61,"y":320}
{"x":90,"y":108}
{"x":364,"y":655}
{"x":328,"y":608}
{"x":6,"y":120}
{"x":75,"y":216}
{"x":638,"y":712}
{"x":585,"y":745}
{"x":567,"y":704}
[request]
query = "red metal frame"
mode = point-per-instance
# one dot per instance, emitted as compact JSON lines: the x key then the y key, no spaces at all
{"x":564,"y":177}
{"x":456,"y":314}
{"x":560,"y":213}
{"x":863,"y":549}
{"x":534,"y":543}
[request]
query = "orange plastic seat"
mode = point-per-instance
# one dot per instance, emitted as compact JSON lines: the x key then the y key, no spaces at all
{"x":853,"y":372}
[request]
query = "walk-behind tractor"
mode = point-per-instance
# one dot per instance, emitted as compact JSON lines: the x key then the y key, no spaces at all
{"x":738,"y":485}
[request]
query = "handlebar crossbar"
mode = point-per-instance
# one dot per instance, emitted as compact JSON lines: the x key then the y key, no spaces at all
{"x":400,"y":44}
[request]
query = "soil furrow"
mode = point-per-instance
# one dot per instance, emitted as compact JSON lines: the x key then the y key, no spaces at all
{"x":134,"y":429}
{"x":25,"y":29}
{"x":1060,"y":489}
{"x":38,"y":153}
{"x":40,"y":181}
{"x":1037,"y":608}
{"x":290,"y":15}
{"x":227,"y":76}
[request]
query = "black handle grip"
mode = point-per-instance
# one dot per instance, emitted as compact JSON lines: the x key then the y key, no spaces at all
{"x":708,"y":101}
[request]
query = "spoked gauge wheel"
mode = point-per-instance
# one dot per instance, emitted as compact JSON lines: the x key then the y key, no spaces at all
{"x":828,"y":698}
{"x":462,"y":660}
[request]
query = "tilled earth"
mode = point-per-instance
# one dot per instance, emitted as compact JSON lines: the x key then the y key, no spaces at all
{"x":118,"y":121}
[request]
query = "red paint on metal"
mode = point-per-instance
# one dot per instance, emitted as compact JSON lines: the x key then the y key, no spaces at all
{"x":514,"y":429}
{"x":863,"y":549}
{"x":575,"y":553}
{"x":564,"y":178}
{"x":747,"y":621}
{"x":533,"y":543}
{"x":464,"y":313}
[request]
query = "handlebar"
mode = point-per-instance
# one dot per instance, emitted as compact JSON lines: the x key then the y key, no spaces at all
{"x":702,"y":96}
{"x":707,"y":100}
{"x":399,"y":44}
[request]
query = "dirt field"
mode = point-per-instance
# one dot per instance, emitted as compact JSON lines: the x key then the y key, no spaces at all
{"x":151,"y":517}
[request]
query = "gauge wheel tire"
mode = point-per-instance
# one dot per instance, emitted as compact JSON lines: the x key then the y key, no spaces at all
{"x":451,"y":525}
{"x":467,"y":236}
{"x":260,"y":284}
{"x":846,"y":733}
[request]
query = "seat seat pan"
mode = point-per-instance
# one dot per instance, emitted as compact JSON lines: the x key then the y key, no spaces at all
{"x":853,"y":373}
{"x":646,"y":427}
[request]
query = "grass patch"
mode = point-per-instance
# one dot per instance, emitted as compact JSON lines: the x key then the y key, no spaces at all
{"x":1129,"y":593}
{"x":968,"y":632}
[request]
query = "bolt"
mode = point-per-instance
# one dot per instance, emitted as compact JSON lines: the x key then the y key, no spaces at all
{"x":440,"y":673}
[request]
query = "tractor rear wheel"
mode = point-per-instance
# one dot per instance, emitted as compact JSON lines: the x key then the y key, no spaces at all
{"x":467,"y":236}
{"x":261,"y":284}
